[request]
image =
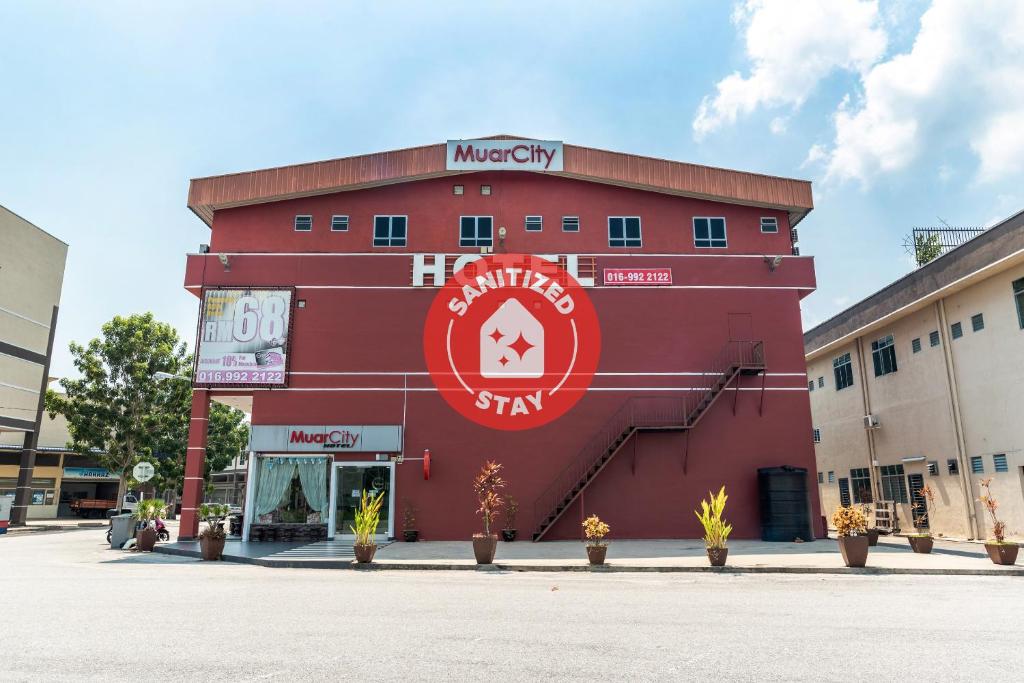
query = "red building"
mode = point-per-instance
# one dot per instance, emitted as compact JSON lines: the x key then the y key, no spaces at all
{"x":701,"y":378}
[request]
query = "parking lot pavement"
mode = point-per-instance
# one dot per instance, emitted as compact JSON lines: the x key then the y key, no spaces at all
{"x":78,"y":611}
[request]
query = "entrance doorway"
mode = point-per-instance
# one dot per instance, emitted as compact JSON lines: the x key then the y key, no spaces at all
{"x":348,"y":481}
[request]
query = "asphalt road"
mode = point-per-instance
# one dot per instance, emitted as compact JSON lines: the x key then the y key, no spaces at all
{"x":74,"y":611}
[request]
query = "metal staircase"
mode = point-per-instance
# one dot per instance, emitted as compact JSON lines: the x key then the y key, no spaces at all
{"x":648,"y":413}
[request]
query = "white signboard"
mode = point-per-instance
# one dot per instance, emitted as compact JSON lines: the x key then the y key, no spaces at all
{"x":325,"y":438}
{"x":504,"y":155}
{"x":144,"y":471}
{"x":243,"y":337}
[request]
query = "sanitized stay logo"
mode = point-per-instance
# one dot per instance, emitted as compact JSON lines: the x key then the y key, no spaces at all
{"x":512,"y":341}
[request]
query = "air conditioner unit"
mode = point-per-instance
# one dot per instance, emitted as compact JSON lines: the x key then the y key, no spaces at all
{"x":794,"y":236}
{"x":871,"y":422}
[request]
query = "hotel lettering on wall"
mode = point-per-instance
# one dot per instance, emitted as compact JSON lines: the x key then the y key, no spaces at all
{"x":326,"y":438}
{"x":433,"y":270}
{"x":504,"y":155}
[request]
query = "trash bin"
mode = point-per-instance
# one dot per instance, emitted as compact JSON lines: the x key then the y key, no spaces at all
{"x":122,"y":527}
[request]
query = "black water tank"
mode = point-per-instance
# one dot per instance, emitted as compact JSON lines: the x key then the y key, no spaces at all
{"x":785,"y":504}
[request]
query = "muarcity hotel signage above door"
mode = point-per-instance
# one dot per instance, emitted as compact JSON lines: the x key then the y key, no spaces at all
{"x":504,"y":155}
{"x":326,"y":438}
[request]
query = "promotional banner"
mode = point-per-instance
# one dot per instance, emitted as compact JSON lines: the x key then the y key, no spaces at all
{"x":243,"y":337}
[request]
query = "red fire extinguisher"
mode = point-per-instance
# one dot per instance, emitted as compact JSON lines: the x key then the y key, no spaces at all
{"x":426,"y":464}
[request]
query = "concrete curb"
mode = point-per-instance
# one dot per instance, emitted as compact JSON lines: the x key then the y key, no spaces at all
{"x":605,"y":569}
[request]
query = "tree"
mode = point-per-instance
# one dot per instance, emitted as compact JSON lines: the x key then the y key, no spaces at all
{"x":114,"y":410}
{"x":118,"y":412}
{"x":927,"y":248}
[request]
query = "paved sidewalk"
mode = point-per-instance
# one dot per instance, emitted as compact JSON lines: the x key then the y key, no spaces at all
{"x":41,"y":525}
{"x":890,"y":556}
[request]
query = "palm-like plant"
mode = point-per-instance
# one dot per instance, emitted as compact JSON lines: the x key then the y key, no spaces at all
{"x":367,"y":517}
{"x":213,"y":514}
{"x":716,"y":529}
{"x":150,"y":509}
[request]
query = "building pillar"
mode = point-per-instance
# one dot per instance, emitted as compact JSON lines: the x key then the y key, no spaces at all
{"x":23,"y":492}
{"x":195,"y":462}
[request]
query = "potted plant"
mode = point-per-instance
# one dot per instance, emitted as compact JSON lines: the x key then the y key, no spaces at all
{"x":716,"y":529}
{"x":367,"y":517}
{"x":922,"y":542}
{"x":999,"y":550}
{"x":595,"y":530}
{"x":873,"y":532}
{"x":211,"y":539}
{"x":409,"y":530}
{"x":851,"y":530}
{"x":146,"y":512}
{"x":486,"y":486}
{"x":508,"y":533}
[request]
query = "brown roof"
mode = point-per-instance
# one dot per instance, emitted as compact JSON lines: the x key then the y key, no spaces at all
{"x":206,"y":195}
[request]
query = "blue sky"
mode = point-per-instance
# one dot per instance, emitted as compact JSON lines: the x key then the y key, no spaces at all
{"x":901,"y":113}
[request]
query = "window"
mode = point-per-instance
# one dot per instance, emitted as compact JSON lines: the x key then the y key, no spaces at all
{"x":883,"y":355}
{"x":339,"y":223}
{"x":977,"y":465}
{"x":915,"y":345}
{"x":831,"y":477}
{"x":534,"y":223}
{"x":844,"y":492}
{"x":933,"y":338}
{"x":957,"y":330}
{"x":821,"y":477}
{"x":810,"y":385}
{"x":709,"y":233}
{"x":43,"y":489}
{"x":894,"y":487}
{"x":485,"y":190}
{"x":860,"y":479}
{"x":999,"y":462}
{"x":570,"y":223}
{"x":475,"y":231}
{"x":303,"y":223}
{"x":821,"y":382}
{"x":769,"y":224}
{"x":952,"y":466}
{"x":817,"y":435}
{"x":389,"y":231}
{"x":977,"y":322}
{"x":1018,"y":298}
{"x":842,"y":368}
{"x":624,"y":231}
{"x":458,"y":189}
{"x":933,"y":468}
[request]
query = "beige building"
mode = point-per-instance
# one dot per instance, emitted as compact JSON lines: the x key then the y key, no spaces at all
{"x":923,"y":383}
{"x":31,"y":277}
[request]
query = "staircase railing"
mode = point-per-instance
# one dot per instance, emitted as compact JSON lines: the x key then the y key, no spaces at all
{"x":646,"y":412}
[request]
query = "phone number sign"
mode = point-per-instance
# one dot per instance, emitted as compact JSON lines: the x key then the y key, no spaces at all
{"x":243,"y":337}
{"x":634,"y":277}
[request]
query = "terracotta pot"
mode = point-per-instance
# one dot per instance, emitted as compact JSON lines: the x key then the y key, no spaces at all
{"x":921,"y":544}
{"x":364,"y":553}
{"x":411,"y":535}
{"x":484,"y":548}
{"x":211,"y":548}
{"x":1002,"y":553}
{"x":145,"y":539}
{"x":854,"y":550}
{"x":872,"y":536}
{"x":716,"y":556}
{"x":508,"y":535}
{"x":596,"y":553}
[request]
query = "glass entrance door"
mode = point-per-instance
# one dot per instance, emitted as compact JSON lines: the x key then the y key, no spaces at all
{"x":350,"y":480}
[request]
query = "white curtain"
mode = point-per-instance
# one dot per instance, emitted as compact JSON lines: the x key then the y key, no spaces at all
{"x":275,"y":474}
{"x":313,"y":477}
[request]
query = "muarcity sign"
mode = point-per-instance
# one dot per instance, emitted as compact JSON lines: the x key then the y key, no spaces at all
{"x":327,"y":438}
{"x":428,"y":270}
{"x":504,"y":155}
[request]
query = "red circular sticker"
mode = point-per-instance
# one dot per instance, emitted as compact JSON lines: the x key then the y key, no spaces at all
{"x":512,"y":341}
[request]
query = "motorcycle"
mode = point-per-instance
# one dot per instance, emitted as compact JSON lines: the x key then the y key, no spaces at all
{"x":162,"y":534}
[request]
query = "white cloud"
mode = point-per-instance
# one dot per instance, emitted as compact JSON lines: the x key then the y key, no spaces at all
{"x":793,"y":45}
{"x":778,"y":125}
{"x":961,"y":85}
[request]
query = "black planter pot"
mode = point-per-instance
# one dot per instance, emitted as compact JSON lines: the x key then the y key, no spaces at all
{"x":411,"y":535}
{"x":508,"y":535}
